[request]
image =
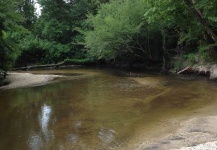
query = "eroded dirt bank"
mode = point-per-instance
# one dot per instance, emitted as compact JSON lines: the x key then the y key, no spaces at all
{"x":208,"y":70}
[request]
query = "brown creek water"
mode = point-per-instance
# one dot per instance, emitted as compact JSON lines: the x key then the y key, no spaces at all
{"x":99,"y":109}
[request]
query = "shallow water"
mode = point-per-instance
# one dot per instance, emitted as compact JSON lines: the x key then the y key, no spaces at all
{"x":98,"y":109}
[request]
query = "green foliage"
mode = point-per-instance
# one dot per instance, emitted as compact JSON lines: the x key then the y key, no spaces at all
{"x":79,"y":61}
{"x":144,"y":31}
{"x":9,"y":28}
{"x":151,"y":30}
{"x":55,"y":34}
{"x":51,"y":38}
{"x":204,"y":53}
{"x":190,"y":59}
{"x":7,"y":55}
{"x":178,"y":64}
{"x":27,"y":10}
{"x":184,"y":61}
{"x":114,"y":27}
{"x":38,"y":51}
{"x":32,"y":52}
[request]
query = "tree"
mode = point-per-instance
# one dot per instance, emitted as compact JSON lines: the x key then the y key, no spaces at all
{"x":9,"y":20}
{"x":27,"y":10}
{"x":201,"y":20}
{"x":114,"y":26}
{"x":129,"y":30}
{"x":151,"y":30}
{"x":57,"y":28}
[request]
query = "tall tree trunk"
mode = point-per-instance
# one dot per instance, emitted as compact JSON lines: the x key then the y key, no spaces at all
{"x":203,"y":23}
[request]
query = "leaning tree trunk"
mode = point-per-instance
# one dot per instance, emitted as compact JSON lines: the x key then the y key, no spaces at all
{"x":203,"y":23}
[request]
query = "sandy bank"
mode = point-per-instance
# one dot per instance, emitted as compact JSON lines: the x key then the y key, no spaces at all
{"x":205,"y":146}
{"x":194,"y":134}
{"x":27,"y":79}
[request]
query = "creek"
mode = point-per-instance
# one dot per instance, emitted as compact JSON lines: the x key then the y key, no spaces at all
{"x":99,"y":109}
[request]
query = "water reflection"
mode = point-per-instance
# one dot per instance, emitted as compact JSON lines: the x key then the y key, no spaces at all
{"x":44,"y":118}
{"x":38,"y":140}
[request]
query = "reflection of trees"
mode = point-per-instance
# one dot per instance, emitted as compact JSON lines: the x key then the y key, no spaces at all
{"x":38,"y":140}
{"x":44,"y":119}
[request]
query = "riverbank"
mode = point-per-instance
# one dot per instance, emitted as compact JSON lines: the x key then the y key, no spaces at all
{"x":197,"y":131}
{"x":207,"y":70}
{"x":210,"y":70}
{"x":193,"y":134}
{"x":16,"y":80}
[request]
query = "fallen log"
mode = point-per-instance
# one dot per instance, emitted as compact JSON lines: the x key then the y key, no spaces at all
{"x":39,"y":66}
{"x":185,"y":70}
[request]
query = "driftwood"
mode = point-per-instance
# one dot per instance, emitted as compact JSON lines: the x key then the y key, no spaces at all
{"x":186,"y":70}
{"x":40,"y":66}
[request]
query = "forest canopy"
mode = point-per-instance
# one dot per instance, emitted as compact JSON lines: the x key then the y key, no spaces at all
{"x":164,"y":33}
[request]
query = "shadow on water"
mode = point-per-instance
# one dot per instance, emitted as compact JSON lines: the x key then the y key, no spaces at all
{"x":99,"y":111}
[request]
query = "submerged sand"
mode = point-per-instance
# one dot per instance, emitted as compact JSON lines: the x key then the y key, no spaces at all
{"x":17,"y":80}
{"x":191,"y":133}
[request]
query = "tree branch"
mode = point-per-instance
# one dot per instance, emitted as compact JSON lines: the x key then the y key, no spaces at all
{"x":201,"y":20}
